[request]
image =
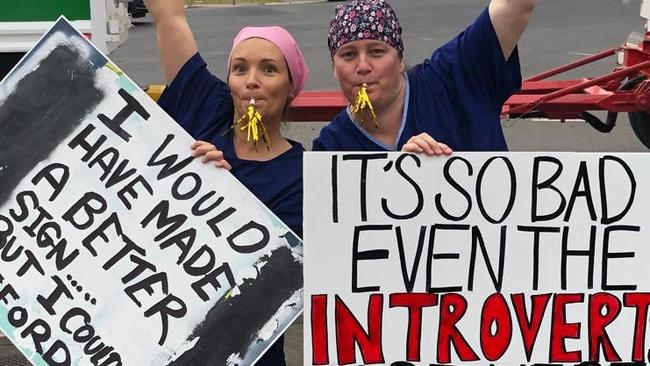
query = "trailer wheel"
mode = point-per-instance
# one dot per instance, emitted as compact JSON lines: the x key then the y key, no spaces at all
{"x":640,"y":122}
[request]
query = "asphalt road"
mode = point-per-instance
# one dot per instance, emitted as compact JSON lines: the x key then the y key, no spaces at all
{"x":561,"y":31}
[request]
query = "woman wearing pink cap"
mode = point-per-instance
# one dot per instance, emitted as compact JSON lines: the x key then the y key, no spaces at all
{"x":237,"y":123}
{"x":452,"y":100}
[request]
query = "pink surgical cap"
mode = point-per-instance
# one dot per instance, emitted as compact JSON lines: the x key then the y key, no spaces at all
{"x":287,"y":45}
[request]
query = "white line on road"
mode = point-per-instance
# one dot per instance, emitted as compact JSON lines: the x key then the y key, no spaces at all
{"x":556,"y":120}
{"x":581,"y":54}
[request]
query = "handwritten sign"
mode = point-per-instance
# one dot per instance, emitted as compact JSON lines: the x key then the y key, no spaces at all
{"x":116,"y":246}
{"x":476,"y":258}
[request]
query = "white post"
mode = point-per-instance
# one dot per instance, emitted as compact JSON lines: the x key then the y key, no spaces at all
{"x":645,"y":13}
{"x":98,"y":21}
{"x":110,"y":23}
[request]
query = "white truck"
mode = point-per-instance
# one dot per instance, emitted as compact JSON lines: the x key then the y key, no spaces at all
{"x":22,"y":22}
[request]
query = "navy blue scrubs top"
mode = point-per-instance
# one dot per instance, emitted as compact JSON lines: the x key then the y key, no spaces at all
{"x":455,"y":96}
{"x":201,"y":103}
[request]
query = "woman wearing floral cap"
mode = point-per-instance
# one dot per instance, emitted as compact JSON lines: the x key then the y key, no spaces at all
{"x":452,"y":100}
{"x":237,"y":123}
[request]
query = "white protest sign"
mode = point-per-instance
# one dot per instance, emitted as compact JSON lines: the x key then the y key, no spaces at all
{"x":476,"y":258}
{"x":116,"y":246}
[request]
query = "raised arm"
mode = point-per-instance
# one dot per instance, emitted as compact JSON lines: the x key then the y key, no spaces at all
{"x":510,"y":18}
{"x":176,"y":42}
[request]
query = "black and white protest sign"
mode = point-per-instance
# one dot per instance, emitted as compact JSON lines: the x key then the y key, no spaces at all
{"x":116,"y":246}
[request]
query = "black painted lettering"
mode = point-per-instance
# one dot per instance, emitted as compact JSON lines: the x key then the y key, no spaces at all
{"x":198,"y":210}
{"x":141,"y":265}
{"x":606,"y":219}
{"x":40,"y":333}
{"x":21,"y":200}
{"x":132,"y":106}
{"x":364,"y":158}
{"x":607,"y":256}
{"x":8,"y":291}
{"x":17,"y":316}
{"x":129,"y":190}
{"x":100,"y":232}
{"x":30,"y":262}
{"x":59,"y":290}
{"x":170,"y":306}
{"x":582,"y":180}
{"x":45,"y":239}
{"x":57,"y":355}
{"x":7,"y":255}
{"x":91,"y":204}
{"x":452,"y":182}
{"x":129,"y":246}
{"x":248,"y":248}
{"x":566,"y":253}
{"x":167,"y":162}
{"x":113,"y":359}
{"x":418,"y":191}
{"x":184,"y":241}
{"x":161,"y":212}
{"x":81,"y":141}
{"x":147,"y":284}
{"x":547,"y":184}
{"x":57,"y":181}
{"x":203,"y":255}
{"x":513,"y":189}
{"x":212,"y":279}
{"x":193,"y":183}
{"x":119,"y":175}
{"x":478,"y":242}
{"x":537,"y":231}
{"x":213,"y":222}
{"x":366,"y":255}
{"x":71,"y":314}
{"x":431,"y":256}
{"x":6,"y":231}
{"x":106,"y":161}
{"x":409,"y":280}
{"x":335,"y":189}
{"x":42,"y":215}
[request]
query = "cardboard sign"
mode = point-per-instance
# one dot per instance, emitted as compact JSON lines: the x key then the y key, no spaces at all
{"x":476,"y":258}
{"x":116,"y":246}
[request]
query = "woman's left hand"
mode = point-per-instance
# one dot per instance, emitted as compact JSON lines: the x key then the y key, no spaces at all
{"x":209,"y":153}
{"x":425,"y":144}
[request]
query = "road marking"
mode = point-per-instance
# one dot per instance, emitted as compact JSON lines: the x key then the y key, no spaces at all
{"x":581,"y":54}
{"x":556,"y":120}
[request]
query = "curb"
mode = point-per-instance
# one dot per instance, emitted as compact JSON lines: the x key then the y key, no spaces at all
{"x":291,"y":2}
{"x":299,"y":2}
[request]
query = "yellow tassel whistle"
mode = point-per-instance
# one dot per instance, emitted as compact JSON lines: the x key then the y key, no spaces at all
{"x":362,"y":104}
{"x":251,"y":121}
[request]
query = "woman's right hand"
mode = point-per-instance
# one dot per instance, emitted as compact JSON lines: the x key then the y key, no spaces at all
{"x":209,"y":153}
{"x":425,"y":144}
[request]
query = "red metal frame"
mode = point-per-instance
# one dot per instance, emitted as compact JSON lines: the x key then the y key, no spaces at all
{"x":559,"y":99}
